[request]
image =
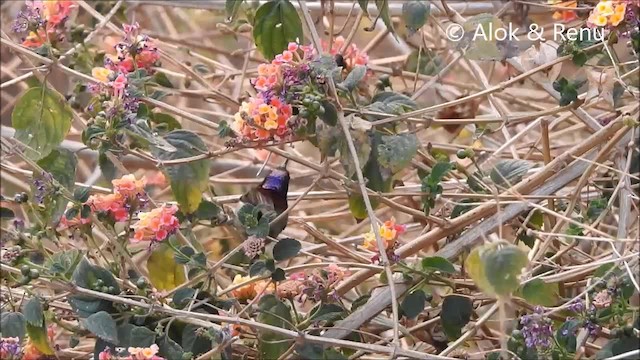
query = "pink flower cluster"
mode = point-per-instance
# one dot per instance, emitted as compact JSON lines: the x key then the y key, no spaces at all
{"x":128,"y":195}
{"x":136,"y":51}
{"x":44,"y":21}
{"x":352,"y":55}
{"x":316,"y":285}
{"x":157,"y":224}
{"x":266,"y":116}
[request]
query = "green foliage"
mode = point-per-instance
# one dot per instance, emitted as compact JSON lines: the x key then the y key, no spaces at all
{"x":276,"y":24}
{"x":189,"y":179}
{"x":431,"y":185}
{"x":383,"y":13}
{"x":415,"y":14}
{"x":413,"y":304}
{"x":164,"y":272}
{"x":462,"y":207}
{"x":42,"y":119}
{"x":596,"y":207}
{"x":390,"y":103}
{"x":232,"y":7}
{"x":63,"y":263}
{"x":33,"y":312}
{"x":538,"y":292}
{"x":618,"y":346}
{"x":423,"y":61}
{"x":286,"y":249}
{"x":311,"y":351}
{"x":61,"y":164}
{"x":355,"y":76}
{"x":496,"y":268}
{"x":273,"y":312}
{"x":438,"y":263}
{"x":362,"y":142}
{"x":482,"y":47}
{"x":456,"y":313}
{"x":254,"y":220}
{"x":85,"y":276}
{"x":39,"y":338}
{"x":210,"y":211}
{"x":396,"y":151}
{"x":13,"y":324}
{"x":568,"y":90}
{"x":103,"y":326}
{"x":140,"y":336}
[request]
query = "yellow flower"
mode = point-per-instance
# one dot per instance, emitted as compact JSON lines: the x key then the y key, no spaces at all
{"x":604,"y":8}
{"x":270,"y":125}
{"x":246,"y":292}
{"x":621,"y":9}
{"x":101,"y":74}
{"x":263,"y":109}
{"x":616,"y":19}
{"x":599,"y":20}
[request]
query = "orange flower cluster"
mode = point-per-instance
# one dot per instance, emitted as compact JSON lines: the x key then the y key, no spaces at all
{"x":610,"y":13}
{"x":389,"y":232}
{"x":53,"y":14}
{"x":258,"y":120}
{"x":157,"y":224}
{"x":136,"y":51}
{"x":135,"y":353}
{"x":352,"y":55}
{"x":127,"y":194}
{"x":249,"y":291}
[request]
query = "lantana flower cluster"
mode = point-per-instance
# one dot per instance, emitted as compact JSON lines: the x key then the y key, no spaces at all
{"x":564,"y":15}
{"x":268,"y":115}
{"x":43,"y":21}
{"x":609,"y":13}
{"x":157,"y":224}
{"x":389,"y":233}
{"x":10,"y":348}
{"x":316,"y":285}
{"x":537,"y":329}
{"x":119,"y":98}
{"x":134,"y":353}
{"x":128,"y":196}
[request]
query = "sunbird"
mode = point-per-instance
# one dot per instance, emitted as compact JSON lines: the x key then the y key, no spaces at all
{"x":272,"y":193}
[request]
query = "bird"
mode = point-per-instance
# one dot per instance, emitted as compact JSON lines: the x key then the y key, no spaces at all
{"x":272,"y":194}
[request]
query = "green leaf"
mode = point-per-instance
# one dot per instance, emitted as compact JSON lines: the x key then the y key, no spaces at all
{"x":538,"y":292}
{"x":396,"y":151}
{"x":169,"y":122}
{"x":13,"y":324}
{"x":363,"y":5}
{"x":278,"y":275}
{"x":161,"y":79}
{"x":362,"y":143}
{"x":188,"y":180}
{"x":456,"y":313}
{"x":276,"y":23}
{"x":482,"y":46}
{"x":61,"y":164}
{"x":182,"y":297}
{"x":108,"y":169}
{"x":602,"y":270}
{"x":231,"y":8}
{"x":618,"y":346}
{"x":84,"y":276}
{"x":413,"y":304}
{"x":63,"y":262}
{"x":170,"y":349}
{"x":81,"y":194}
{"x":39,"y":338}
{"x":273,"y":312}
{"x":140,"y":336}
{"x":327,"y":312}
{"x":6,"y":213}
{"x":391,"y":103}
{"x":103,"y":326}
{"x":462,"y":207}
{"x":509,"y":172}
{"x":503,"y":265}
{"x":579,"y":58}
{"x":164,"y":272}
{"x":383,"y":13}
{"x":438,"y":263}
{"x":286,"y":249}
{"x":475,"y":268}
{"x":258,"y":268}
{"x":208,"y":210}
{"x":355,"y":76}
{"x":330,"y":115}
{"x":415,"y":13}
{"x":423,"y":61}
{"x":42,"y":119}
{"x":33,"y":312}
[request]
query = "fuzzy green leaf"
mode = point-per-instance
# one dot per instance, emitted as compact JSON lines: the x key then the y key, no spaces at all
{"x":456,"y":313}
{"x":42,"y":119}
{"x":102,"y":325}
{"x":396,"y":151}
{"x":286,"y":249}
{"x":276,"y":23}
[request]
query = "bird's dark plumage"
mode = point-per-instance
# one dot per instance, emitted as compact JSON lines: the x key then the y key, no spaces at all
{"x":273,"y":194}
